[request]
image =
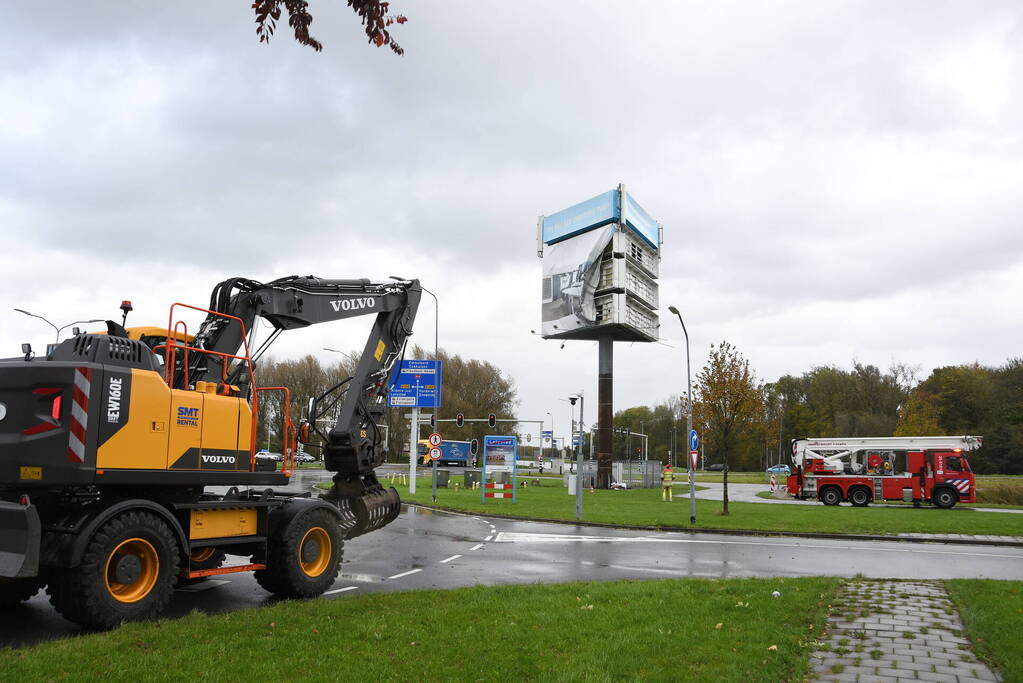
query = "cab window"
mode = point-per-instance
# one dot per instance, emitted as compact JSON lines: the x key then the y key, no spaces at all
{"x":954,"y":463}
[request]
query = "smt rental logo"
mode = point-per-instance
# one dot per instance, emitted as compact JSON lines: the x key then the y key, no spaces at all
{"x":188,"y":417}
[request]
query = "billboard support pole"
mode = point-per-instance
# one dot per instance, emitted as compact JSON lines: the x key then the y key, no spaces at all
{"x":605,"y":409}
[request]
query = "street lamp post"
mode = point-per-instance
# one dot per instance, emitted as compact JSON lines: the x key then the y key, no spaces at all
{"x":578,"y":459}
{"x":552,"y":438}
{"x":689,"y":421}
{"x":55,"y":328}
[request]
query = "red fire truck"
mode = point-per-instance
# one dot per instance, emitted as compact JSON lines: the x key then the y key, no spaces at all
{"x":918,"y":469}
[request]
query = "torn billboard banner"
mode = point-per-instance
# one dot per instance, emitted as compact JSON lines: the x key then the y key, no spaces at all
{"x":571,"y":273}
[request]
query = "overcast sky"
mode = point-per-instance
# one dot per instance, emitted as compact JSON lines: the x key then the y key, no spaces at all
{"x":836,"y":180}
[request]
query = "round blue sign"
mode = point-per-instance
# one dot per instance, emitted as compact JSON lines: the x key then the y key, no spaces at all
{"x":694,"y":440}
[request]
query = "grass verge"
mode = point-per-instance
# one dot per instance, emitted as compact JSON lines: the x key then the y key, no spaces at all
{"x":992,"y":612}
{"x":692,"y":629}
{"x":643,"y":507}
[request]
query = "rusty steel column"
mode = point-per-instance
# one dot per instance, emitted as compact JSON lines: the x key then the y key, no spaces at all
{"x":605,"y":409}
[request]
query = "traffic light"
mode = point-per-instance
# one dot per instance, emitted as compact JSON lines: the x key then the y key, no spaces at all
{"x":474,"y":446}
{"x":433,"y":420}
{"x":492,"y":420}
{"x":459,"y":420}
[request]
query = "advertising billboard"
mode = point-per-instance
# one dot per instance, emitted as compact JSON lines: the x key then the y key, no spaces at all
{"x":600,"y":267}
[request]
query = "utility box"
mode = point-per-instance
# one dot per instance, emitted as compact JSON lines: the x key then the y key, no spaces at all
{"x":471,"y":477}
{"x":443,"y":477}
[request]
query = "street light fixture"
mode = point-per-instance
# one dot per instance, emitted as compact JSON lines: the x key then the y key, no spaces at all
{"x":57,"y":329}
{"x":689,"y":420}
{"x":346,"y":354}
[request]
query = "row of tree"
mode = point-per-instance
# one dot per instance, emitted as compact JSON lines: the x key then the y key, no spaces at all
{"x":473,"y":387}
{"x":748,"y":424}
{"x":743,"y":421}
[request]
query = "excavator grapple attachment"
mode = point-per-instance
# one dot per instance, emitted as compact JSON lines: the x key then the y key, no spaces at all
{"x":370,"y":512}
{"x":365,"y":505}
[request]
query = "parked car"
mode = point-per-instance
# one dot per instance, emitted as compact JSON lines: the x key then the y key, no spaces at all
{"x":265,"y":462}
{"x":304,"y":457}
{"x":780,"y":469}
{"x":716,"y":467}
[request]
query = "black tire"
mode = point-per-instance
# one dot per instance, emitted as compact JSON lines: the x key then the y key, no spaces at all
{"x":860,"y":497}
{"x":13,"y":591}
{"x":127,"y":573}
{"x":944,"y":497}
{"x":307,"y":558}
{"x":830,"y":495}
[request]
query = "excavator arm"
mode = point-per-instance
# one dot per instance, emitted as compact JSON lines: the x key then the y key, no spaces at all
{"x":352,"y":447}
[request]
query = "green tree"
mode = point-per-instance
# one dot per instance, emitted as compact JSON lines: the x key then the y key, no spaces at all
{"x":728,"y":403}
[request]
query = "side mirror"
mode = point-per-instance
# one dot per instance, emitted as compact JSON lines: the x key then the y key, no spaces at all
{"x":311,"y":409}
{"x":303,"y":433}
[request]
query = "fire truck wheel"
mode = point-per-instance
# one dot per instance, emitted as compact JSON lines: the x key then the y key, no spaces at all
{"x":305,"y":562}
{"x":830,"y":495}
{"x":126,"y":574}
{"x":13,"y":591}
{"x":860,"y":497}
{"x":944,"y":497}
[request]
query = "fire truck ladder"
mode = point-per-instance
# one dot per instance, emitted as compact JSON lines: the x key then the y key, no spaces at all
{"x":833,"y":451}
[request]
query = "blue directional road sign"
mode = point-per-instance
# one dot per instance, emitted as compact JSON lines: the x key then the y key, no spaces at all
{"x":417,"y":384}
{"x":694,"y":440}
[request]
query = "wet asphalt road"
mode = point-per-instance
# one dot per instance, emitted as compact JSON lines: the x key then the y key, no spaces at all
{"x":426,"y":549}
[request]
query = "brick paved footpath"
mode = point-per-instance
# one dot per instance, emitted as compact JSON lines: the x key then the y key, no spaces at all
{"x":896,"y":631}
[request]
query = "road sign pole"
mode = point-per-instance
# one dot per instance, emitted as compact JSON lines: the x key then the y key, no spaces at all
{"x":579,"y":466}
{"x":413,"y":447}
{"x":434,"y":473}
{"x":694,"y":443}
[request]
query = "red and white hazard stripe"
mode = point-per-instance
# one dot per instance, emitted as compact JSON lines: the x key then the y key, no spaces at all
{"x":963,"y":485}
{"x":491,"y":485}
{"x":79,"y":415}
{"x":497,"y":495}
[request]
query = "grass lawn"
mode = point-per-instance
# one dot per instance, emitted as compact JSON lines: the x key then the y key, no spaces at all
{"x":734,"y":477}
{"x":691,"y":629}
{"x":644,"y":507}
{"x":992,"y":612}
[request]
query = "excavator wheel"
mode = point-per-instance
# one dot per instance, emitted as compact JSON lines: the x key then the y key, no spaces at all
{"x":13,"y":591}
{"x":859,"y":497}
{"x":307,"y":558}
{"x":830,"y":495}
{"x":126,"y":574}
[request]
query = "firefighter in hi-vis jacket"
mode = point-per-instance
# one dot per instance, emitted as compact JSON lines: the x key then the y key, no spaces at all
{"x":667,"y":477}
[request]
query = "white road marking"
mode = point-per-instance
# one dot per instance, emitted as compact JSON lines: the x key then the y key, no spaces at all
{"x":672,"y":572}
{"x":515,"y":537}
{"x":410,"y":571}
{"x":340,"y":590}
{"x":205,"y":585}
{"x":453,"y":557}
{"x":476,"y":547}
{"x":487,"y":538}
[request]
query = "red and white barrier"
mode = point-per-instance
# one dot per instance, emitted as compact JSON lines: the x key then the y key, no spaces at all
{"x":79,"y":415}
